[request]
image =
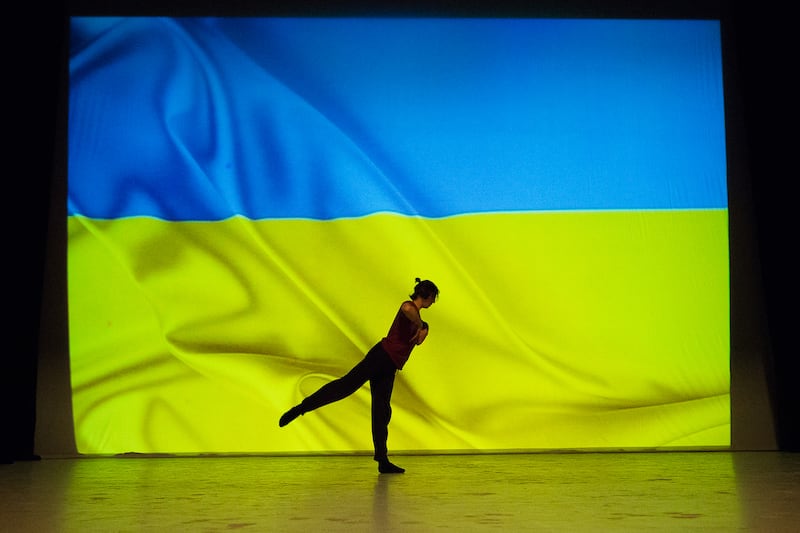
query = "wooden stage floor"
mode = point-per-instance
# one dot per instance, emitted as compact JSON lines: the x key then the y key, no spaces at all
{"x":584,"y":492}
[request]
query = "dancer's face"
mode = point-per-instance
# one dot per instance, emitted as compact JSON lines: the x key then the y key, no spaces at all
{"x":427,"y":302}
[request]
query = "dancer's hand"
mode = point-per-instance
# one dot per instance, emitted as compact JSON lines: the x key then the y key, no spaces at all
{"x":419,"y":337}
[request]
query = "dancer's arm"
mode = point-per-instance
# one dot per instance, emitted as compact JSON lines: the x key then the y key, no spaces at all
{"x":412,"y":313}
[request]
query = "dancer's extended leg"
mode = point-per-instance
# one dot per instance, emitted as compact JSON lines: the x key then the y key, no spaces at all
{"x":338,"y":388}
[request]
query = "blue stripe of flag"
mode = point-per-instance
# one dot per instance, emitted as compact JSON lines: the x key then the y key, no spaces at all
{"x":204,"y":119}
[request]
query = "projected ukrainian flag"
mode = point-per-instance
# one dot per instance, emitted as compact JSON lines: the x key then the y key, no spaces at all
{"x":250,"y":201}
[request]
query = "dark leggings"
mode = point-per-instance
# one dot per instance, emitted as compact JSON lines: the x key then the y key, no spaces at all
{"x":379,"y":370}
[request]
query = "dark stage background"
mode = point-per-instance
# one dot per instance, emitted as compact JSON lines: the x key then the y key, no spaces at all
{"x":760,"y":116}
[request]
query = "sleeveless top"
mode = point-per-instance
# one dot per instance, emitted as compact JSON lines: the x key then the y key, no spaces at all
{"x":397,"y":343}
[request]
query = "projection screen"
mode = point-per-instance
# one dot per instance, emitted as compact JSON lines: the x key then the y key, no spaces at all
{"x":250,"y":200}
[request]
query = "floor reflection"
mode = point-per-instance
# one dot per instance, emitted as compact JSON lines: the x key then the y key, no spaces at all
{"x":669,"y":491}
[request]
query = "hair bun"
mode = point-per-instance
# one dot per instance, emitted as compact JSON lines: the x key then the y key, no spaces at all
{"x":417,"y":280}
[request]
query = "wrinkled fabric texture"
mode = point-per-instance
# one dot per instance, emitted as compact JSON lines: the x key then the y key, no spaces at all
{"x":248,"y":199}
{"x":204,"y":119}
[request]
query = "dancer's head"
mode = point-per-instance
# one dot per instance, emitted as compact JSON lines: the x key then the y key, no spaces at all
{"x":425,"y":289}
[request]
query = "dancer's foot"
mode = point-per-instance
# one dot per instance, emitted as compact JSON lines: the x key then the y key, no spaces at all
{"x":290,"y":415}
{"x":385,"y":467}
